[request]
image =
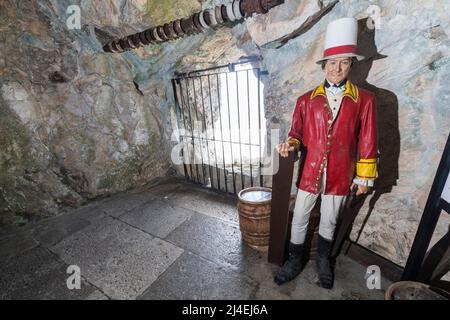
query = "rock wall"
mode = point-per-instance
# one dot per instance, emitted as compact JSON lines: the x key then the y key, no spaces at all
{"x":79,"y":123}
{"x":74,"y":123}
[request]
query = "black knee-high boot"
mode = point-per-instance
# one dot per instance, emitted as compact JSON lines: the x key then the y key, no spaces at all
{"x":293,"y":266}
{"x":323,"y":263}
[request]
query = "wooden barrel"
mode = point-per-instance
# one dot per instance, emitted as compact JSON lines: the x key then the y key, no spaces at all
{"x":254,"y":216}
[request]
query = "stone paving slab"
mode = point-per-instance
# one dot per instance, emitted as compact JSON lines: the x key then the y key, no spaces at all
{"x":206,"y":202}
{"x":349,"y":284}
{"x":192,"y":277}
{"x":90,"y":212}
{"x":52,"y":231}
{"x":212,"y":239}
{"x":15,"y":244}
{"x":120,"y":260}
{"x":119,"y":205}
{"x":97,"y":295}
{"x":190,"y":196}
{"x":157,"y":218}
{"x":6,"y":231}
{"x":162,"y":188}
{"x":38,"y":274}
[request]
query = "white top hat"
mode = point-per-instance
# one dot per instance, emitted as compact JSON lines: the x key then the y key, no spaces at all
{"x":341,"y":39}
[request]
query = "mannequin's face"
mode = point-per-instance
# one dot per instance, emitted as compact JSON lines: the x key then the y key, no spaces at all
{"x":337,"y":69}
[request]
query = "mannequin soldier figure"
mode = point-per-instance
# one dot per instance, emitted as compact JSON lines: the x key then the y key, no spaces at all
{"x":336,"y":126}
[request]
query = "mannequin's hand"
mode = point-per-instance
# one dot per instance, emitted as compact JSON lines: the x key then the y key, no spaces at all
{"x":284,"y":148}
{"x":361,"y":189}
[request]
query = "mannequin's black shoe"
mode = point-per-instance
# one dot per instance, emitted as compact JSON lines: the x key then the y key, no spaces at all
{"x":293,"y":266}
{"x":323,"y":263}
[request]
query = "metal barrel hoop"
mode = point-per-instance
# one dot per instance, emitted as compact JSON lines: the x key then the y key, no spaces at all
{"x":124,"y":44}
{"x":161,"y":34}
{"x":230,"y":12}
{"x":149,"y":36}
{"x":130,"y":42}
{"x":119,"y":46}
{"x":224,"y":13}
{"x":168,"y":31}
{"x":218,"y":14}
{"x":212,"y":17}
{"x":113,"y":47}
{"x":177,"y":28}
{"x":207,"y":17}
{"x":202,"y":20}
{"x":155,"y":35}
{"x":237,"y":9}
{"x":136,"y":40}
{"x":143,"y":38}
{"x":196,"y":23}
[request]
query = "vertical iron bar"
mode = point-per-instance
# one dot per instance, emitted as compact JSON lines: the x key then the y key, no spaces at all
{"x":259,"y":128}
{"x":184,"y":121}
{"x":192,"y":128}
{"x":231,"y":139}
{"x":206,"y":128}
{"x":214,"y":134}
{"x":239,"y":128}
{"x":249,"y":131}
{"x":189,"y":129}
{"x":221,"y":136}
{"x":200,"y":134}
{"x":177,"y":111}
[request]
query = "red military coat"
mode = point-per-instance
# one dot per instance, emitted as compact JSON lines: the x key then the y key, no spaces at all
{"x":345,"y":147}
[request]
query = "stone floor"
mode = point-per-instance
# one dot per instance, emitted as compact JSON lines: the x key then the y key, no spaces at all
{"x":168,"y":240}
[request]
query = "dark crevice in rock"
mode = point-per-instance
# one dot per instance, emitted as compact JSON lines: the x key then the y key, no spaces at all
{"x":103,"y":36}
{"x":136,"y":85}
{"x":57,"y":77}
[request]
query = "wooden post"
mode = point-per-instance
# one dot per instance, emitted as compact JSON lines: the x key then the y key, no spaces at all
{"x":279,"y":218}
{"x":428,"y":224}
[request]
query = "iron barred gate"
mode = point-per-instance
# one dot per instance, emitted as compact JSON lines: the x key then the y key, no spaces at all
{"x":221,"y":123}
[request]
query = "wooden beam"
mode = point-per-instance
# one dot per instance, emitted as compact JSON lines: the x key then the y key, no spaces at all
{"x":429,"y":218}
{"x":279,"y":218}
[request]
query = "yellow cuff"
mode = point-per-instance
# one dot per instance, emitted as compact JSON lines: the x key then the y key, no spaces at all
{"x":366,"y":169}
{"x":294,"y":142}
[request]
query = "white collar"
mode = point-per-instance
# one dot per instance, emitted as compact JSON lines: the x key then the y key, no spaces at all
{"x":333,"y":89}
